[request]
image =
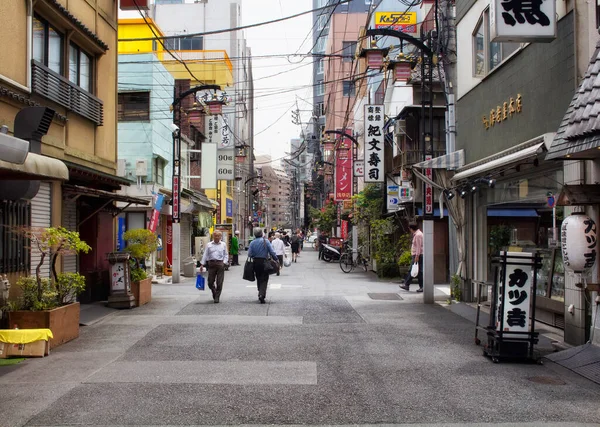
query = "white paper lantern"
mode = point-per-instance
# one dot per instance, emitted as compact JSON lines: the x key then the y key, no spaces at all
{"x":578,"y":241}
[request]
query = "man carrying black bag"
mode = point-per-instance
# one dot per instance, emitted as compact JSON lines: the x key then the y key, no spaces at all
{"x":261,"y":252}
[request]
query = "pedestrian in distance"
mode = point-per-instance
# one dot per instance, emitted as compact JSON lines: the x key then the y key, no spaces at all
{"x":235,"y":248}
{"x":214,"y":259}
{"x":261,"y":250}
{"x":279,"y":248}
{"x":295,"y":243}
{"x":322,"y":240}
{"x":416,"y":252}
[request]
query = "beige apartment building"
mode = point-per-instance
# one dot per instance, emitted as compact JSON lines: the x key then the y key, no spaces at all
{"x":61,"y":56}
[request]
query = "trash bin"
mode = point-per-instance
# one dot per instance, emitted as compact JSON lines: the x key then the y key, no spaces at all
{"x":189,"y":267}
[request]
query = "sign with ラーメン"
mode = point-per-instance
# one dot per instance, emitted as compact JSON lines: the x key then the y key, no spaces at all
{"x":374,"y":143}
{"x":522,"y":20}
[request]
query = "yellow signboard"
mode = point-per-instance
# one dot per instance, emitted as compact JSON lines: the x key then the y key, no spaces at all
{"x":399,"y":21}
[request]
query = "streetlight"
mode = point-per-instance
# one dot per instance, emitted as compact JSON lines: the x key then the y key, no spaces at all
{"x":195,"y":114}
{"x":428,"y":61}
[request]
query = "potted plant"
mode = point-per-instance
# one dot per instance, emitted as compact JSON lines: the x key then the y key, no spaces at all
{"x":140,"y":244}
{"x":50,"y":303}
{"x":404,"y":263}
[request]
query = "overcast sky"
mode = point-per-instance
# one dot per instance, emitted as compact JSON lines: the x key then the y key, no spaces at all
{"x":273,"y":106}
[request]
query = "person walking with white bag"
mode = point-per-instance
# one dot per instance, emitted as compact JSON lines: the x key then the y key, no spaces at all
{"x":416,"y":252}
{"x":279,"y":248}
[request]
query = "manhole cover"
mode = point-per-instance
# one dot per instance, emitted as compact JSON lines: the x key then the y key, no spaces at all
{"x":383,"y":296}
{"x":547,"y":380}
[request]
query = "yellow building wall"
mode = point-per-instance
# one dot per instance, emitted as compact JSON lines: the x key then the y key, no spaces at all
{"x":137,"y":29}
{"x":13,"y":54}
{"x":78,"y":139}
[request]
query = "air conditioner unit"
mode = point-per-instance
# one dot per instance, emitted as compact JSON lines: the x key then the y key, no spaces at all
{"x":121,"y":167}
{"x":141,"y":167}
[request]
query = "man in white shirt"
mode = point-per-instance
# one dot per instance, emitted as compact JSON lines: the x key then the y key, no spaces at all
{"x":279,"y":248}
{"x":215,"y":257}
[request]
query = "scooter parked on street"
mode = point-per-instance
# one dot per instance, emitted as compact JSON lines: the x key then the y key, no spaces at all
{"x":330,"y":253}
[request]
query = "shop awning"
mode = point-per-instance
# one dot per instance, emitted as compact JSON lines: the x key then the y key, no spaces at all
{"x":512,"y":213}
{"x":107,"y":195}
{"x":36,"y":166}
{"x":450,"y":161}
{"x":579,"y":195}
{"x":519,"y":153}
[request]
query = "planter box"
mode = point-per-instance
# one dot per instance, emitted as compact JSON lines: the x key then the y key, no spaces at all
{"x":62,"y":321}
{"x":142,"y":291}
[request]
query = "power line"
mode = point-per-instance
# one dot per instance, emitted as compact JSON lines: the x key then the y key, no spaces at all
{"x":228,"y":30}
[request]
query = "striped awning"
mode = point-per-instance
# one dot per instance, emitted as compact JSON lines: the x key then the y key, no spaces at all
{"x":450,"y":161}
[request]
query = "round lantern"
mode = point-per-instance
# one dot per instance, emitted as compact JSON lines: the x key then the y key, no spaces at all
{"x":578,"y":241}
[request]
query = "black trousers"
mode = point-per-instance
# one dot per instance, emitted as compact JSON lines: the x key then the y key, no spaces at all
{"x":262,"y":278}
{"x":409,"y":278}
{"x":216,"y":271}
{"x":235,"y":260}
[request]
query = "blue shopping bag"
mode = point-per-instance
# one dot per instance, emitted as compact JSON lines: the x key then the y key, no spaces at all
{"x":200,"y":281}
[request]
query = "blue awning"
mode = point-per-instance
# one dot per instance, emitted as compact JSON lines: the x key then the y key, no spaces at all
{"x":514,"y":213}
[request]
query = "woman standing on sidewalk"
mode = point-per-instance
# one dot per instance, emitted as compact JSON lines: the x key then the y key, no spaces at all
{"x":261,"y":250}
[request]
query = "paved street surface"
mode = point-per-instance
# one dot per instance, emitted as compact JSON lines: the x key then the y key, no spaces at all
{"x":328,"y":348}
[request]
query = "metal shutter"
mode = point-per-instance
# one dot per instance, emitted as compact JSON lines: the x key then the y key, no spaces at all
{"x":185,"y":239}
{"x":40,"y":217}
{"x":69,"y":221}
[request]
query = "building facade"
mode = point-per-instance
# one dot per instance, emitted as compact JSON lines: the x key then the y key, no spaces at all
{"x":62,"y":56}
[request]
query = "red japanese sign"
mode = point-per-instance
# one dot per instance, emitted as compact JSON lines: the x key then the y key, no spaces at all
{"x":343,"y":175}
{"x":176,"y":198}
{"x":344,"y":229}
{"x":428,"y":190}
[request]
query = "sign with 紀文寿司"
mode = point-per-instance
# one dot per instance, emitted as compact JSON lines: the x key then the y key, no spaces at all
{"x":374,"y":143}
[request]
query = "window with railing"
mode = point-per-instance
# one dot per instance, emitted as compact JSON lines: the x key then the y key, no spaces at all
{"x":69,"y":86}
{"x":14,"y":246}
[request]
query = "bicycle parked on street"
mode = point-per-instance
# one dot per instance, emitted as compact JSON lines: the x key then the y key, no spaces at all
{"x":347,"y":264}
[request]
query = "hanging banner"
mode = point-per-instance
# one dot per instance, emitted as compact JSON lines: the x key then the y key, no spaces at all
{"x":374,"y":143}
{"x":158,"y":202}
{"x":344,"y":230}
{"x":209,"y":166}
{"x":516,"y":294}
{"x":226,"y":136}
{"x":121,"y":228}
{"x":169,"y":241}
{"x":225,"y":164}
{"x":212,"y":131}
{"x":343,"y":175}
{"x":229,"y":207}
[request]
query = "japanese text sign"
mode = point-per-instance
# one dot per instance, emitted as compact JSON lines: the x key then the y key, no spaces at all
{"x":212,"y":130}
{"x":343,"y":177}
{"x":226,"y":139}
{"x":176,"y":191}
{"x":226,"y":164}
{"x":374,"y":143}
{"x":119,"y":278}
{"x":515,"y":292}
{"x":428,"y":190}
{"x":522,"y":20}
{"x":399,"y":21}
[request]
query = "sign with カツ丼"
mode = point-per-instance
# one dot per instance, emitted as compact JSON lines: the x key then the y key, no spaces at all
{"x":226,"y":164}
{"x":515,"y":292}
{"x":522,"y":20}
{"x":374,"y":143}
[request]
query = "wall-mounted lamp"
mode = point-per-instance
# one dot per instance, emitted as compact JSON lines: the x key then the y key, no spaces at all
{"x":449,"y":194}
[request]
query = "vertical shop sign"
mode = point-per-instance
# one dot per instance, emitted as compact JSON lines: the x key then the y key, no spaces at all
{"x":343,"y":176}
{"x":374,"y":143}
{"x":158,"y":202}
{"x":428,"y":190}
{"x":515,"y":292}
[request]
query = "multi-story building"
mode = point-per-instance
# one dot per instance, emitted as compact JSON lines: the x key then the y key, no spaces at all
{"x":511,"y":99}
{"x":63,"y":59}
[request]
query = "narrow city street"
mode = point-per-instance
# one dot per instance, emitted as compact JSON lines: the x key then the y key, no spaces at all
{"x":328,"y":348}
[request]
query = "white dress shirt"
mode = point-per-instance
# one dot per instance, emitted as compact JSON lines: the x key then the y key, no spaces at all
{"x":278,"y":246}
{"x":215,"y":252}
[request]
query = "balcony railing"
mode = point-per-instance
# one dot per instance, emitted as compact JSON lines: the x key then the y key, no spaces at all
{"x":57,"y":88}
{"x":410,"y":157}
